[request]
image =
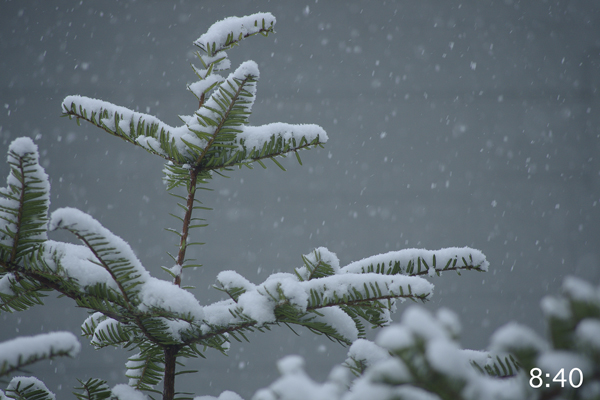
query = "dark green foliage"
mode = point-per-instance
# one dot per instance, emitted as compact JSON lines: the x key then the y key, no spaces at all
{"x":23,"y":224}
{"x":500,"y":367}
{"x":423,"y":265}
{"x":24,"y":389}
{"x":92,"y":389}
{"x":146,"y":369}
{"x":24,"y":208}
{"x":317,"y":268}
{"x":122,"y":265}
{"x":26,"y":293}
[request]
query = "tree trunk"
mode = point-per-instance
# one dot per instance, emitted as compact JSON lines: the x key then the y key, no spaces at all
{"x":169,"y":381}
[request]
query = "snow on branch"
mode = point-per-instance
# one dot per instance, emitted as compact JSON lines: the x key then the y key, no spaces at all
{"x":174,"y":308}
{"x":18,"y":353}
{"x":256,"y":139}
{"x":221,"y":122}
{"x":225,"y":395}
{"x":108,"y":260}
{"x":141,"y":129}
{"x":229,"y":31}
{"x":514,"y":338}
{"x":108,"y":332}
{"x":24,"y":202}
{"x":204,"y":85}
{"x":296,"y":382}
{"x":325,"y":293}
{"x":364,"y":353}
{"x":421,"y":262}
{"x":70,"y":261}
{"x":156,"y":294}
{"x":419,"y":358}
{"x":109,"y":250}
{"x":6,"y":283}
{"x":356,"y":288}
{"x":126,"y":392}
{"x":580,"y":291}
{"x":23,"y":387}
{"x":216,"y":136}
{"x":138,"y":371}
{"x":427,"y":343}
{"x":228,"y":107}
{"x":319,"y":296}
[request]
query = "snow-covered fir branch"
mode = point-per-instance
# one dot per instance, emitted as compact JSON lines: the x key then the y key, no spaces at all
{"x":19,"y":353}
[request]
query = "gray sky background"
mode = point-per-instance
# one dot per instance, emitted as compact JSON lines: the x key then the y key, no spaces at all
{"x":472,"y":123}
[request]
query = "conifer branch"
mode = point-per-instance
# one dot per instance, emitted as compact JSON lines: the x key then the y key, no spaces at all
{"x":28,"y":388}
{"x":223,"y":119}
{"x":103,"y":263}
{"x":25,"y":298}
{"x":215,"y":40}
{"x":146,"y":369}
{"x":93,"y":389}
{"x":416,"y":262}
{"x":108,"y":306}
{"x":50,"y":281}
{"x":158,"y":135}
{"x":7,"y":369}
{"x":247,"y":323}
{"x":246,"y":161}
{"x":23,"y":225}
{"x":187,"y":218}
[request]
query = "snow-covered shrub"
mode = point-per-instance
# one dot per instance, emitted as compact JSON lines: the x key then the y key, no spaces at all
{"x":421,"y":359}
{"x":161,"y":320}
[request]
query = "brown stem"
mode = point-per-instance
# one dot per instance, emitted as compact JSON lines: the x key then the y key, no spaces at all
{"x":170,"y":363}
{"x":187,"y":218}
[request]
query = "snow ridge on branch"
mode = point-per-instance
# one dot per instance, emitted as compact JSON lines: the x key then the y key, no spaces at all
{"x":227,"y":32}
{"x":18,"y":353}
{"x":421,"y":262}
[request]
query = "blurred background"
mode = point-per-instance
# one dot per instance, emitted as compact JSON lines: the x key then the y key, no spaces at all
{"x":451,"y":123}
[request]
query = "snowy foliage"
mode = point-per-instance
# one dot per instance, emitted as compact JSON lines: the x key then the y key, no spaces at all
{"x":23,"y":202}
{"x":225,"y":33}
{"x":27,"y":387}
{"x":420,"y":358}
{"x":216,"y":136}
{"x":26,"y":350}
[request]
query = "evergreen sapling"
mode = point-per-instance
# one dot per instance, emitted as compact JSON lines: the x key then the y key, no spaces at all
{"x":164,"y":323}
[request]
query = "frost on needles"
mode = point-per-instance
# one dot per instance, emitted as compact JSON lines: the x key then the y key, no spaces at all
{"x":163,"y":322}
